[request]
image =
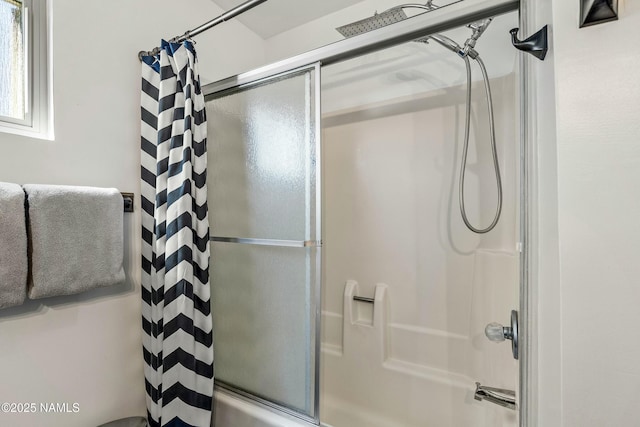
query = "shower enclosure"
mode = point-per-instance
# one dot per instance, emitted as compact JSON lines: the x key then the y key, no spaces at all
{"x":346,"y":289}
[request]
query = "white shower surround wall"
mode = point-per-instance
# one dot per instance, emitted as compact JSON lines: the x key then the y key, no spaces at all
{"x":391,"y":217}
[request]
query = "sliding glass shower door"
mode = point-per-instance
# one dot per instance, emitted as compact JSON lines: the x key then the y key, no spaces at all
{"x":265,"y":224}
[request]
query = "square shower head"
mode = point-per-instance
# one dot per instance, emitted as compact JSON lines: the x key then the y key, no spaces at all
{"x":378,"y":20}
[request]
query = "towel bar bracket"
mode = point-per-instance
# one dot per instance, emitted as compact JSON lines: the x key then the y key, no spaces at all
{"x":128,"y":201}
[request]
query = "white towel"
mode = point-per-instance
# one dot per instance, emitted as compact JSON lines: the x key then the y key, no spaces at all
{"x":76,"y":236}
{"x":14,"y":264}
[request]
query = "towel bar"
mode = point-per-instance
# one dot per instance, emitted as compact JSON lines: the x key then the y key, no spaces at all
{"x":364,"y":299}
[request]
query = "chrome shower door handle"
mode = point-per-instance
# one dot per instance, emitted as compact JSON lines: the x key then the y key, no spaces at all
{"x":499,"y":396}
{"x":498,"y":333}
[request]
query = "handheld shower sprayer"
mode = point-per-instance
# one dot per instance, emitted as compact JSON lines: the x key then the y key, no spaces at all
{"x":478,"y":28}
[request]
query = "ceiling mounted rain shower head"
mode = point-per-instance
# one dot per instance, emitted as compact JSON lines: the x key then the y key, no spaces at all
{"x":378,"y":20}
{"x":397,"y":14}
{"x":391,"y":16}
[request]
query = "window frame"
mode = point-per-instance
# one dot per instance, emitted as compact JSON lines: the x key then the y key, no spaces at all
{"x":38,"y":121}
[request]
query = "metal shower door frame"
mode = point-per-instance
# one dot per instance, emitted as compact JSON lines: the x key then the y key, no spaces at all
{"x":313,"y":238}
{"x":445,"y":18}
{"x":453,"y":15}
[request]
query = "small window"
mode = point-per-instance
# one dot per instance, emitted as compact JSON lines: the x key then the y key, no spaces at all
{"x":25,"y":97}
{"x":13,"y":74}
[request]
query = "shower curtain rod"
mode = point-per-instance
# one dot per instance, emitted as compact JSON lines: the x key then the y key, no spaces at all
{"x":232,"y":13}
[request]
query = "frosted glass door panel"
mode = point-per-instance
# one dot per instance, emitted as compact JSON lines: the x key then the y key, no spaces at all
{"x":265,"y":228}
{"x":263,"y":316}
{"x":260,"y":159}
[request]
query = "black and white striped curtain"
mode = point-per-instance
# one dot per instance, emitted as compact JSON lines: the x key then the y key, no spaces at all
{"x":176,"y":313}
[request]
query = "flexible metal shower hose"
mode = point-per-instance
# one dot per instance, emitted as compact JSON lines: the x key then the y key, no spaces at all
{"x":494,"y":151}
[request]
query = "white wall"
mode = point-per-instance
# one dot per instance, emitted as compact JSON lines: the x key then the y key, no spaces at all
{"x":545,"y":397}
{"x":87,"y":348}
{"x":598,"y":111}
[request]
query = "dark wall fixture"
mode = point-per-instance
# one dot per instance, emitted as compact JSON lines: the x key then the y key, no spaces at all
{"x":537,"y":44}
{"x":594,"y":12}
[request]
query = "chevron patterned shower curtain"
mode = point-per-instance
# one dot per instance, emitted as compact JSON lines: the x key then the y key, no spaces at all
{"x":176,"y":313}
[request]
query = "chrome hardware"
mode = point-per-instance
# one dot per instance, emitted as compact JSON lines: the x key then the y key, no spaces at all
{"x":478,"y":28}
{"x":498,"y":333}
{"x":269,"y":242}
{"x":238,"y":10}
{"x":499,"y":396}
